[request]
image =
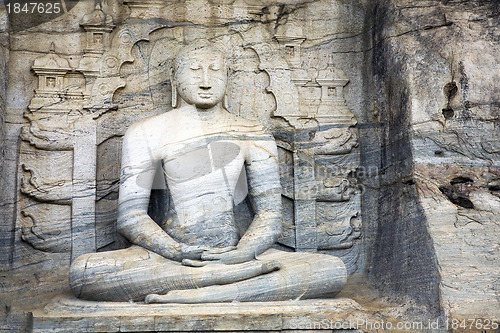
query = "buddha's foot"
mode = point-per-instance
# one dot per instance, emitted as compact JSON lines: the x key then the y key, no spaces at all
{"x":154,"y":298}
{"x":224,"y":289}
{"x":270,"y":266}
{"x":179,"y":296}
{"x":219,"y":274}
{"x":191,"y":296}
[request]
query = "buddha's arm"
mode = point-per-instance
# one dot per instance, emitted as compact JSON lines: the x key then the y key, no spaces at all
{"x":265,"y":192}
{"x":137,"y":173}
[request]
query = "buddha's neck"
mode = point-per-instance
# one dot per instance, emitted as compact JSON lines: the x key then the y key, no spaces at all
{"x":204,"y":114}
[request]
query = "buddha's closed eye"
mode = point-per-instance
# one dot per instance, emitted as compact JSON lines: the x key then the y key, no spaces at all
{"x":214,"y":67}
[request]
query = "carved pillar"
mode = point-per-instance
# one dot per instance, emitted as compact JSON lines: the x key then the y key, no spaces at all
{"x":83,"y":226}
{"x":305,"y":203}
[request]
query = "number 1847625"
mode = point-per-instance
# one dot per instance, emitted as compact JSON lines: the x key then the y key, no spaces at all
{"x":33,"y":7}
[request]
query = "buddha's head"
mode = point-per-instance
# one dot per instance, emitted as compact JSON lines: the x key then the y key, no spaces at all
{"x":199,"y":75}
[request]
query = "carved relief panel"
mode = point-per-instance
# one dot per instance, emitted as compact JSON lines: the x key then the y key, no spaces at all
{"x":321,"y":152}
{"x":71,"y":149}
{"x":58,"y":149}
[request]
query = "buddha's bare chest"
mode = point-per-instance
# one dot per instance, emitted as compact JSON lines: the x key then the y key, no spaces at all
{"x":203,"y":161}
{"x":202,"y":179}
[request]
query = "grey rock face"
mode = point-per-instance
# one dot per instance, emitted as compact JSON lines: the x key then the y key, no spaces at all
{"x":436,"y":207}
{"x":384,"y":114}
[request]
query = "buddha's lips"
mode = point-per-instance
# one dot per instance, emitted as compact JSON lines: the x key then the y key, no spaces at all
{"x":205,"y":95}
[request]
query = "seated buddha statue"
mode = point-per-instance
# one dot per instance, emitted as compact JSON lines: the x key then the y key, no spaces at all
{"x":198,"y":255}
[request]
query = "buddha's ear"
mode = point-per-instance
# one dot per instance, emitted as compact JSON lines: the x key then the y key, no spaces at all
{"x":225,"y":103}
{"x":173,"y":85}
{"x":228,"y":68}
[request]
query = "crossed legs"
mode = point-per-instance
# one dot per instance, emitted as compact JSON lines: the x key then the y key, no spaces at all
{"x":137,"y":274}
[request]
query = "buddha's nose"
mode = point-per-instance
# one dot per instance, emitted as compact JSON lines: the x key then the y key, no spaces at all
{"x":205,"y":83}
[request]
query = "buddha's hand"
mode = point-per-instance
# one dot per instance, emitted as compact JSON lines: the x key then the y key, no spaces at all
{"x":192,"y":252}
{"x":228,"y":255}
{"x":192,"y":255}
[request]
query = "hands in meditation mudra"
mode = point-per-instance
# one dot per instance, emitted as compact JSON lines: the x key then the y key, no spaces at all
{"x":197,"y":255}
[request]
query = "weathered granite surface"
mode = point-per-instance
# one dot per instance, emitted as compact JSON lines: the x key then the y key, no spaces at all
{"x":434,"y":66}
{"x":404,"y":189}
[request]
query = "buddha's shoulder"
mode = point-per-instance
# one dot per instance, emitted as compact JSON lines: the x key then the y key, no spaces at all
{"x":149,"y":125}
{"x":244,"y":126}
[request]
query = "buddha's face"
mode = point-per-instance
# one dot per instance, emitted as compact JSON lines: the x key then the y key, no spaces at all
{"x":201,"y":77}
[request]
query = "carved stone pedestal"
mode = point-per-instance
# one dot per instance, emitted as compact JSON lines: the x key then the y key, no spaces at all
{"x":68,"y":314}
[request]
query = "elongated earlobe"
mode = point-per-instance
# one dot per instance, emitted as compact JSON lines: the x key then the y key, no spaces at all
{"x":174,"y":88}
{"x":225,"y":103}
{"x":174,"y":96}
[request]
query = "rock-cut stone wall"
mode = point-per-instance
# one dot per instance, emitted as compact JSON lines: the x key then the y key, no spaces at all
{"x":435,"y":67}
{"x":386,"y":114}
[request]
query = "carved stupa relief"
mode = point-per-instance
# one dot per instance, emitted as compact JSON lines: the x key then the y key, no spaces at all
{"x":62,"y":128}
